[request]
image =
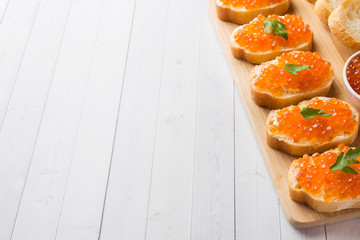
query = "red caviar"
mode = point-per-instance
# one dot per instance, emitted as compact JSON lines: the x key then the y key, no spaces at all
{"x":314,"y":176}
{"x":250,"y":4}
{"x":291,"y":123}
{"x":353,"y":73}
{"x":276,"y":79}
{"x":254,"y":38}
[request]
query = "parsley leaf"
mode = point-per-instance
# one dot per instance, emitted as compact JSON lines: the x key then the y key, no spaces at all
{"x":310,"y":113}
{"x":277,"y":28}
{"x":343,"y":160}
{"x":294,"y":68}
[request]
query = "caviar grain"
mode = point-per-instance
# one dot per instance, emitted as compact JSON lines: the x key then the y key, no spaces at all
{"x":315,"y":176}
{"x":250,"y":4}
{"x":353,"y":73}
{"x":292,"y":123}
{"x":278,"y":81}
{"x":253,"y":37}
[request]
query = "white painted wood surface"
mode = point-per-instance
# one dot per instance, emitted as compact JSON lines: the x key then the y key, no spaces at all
{"x":120,"y":120}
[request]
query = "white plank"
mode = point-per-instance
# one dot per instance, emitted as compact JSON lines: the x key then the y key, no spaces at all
{"x":348,"y":230}
{"x":257,"y":208}
{"x":245,"y":174}
{"x":53,"y":152}
{"x":268,"y":206}
{"x":84,"y":197}
{"x":169,"y":214}
{"x":20,"y":127}
{"x":15,"y":28}
{"x":40,"y":206}
{"x":289,"y":232}
{"x":3,"y":6}
{"x":127,"y":196}
{"x":213,"y":190}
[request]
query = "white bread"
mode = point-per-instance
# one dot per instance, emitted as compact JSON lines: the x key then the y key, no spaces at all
{"x":323,"y":8}
{"x":344,"y":23}
{"x":265,"y":98}
{"x":260,"y":57}
{"x":243,"y":15}
{"x":287,"y":144}
{"x":317,"y":203}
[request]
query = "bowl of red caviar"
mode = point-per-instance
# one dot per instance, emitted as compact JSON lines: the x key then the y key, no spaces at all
{"x":351,"y":75}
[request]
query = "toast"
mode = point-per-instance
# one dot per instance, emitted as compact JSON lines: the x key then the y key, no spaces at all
{"x":289,"y":131}
{"x":257,"y":46}
{"x":323,"y":9}
{"x":344,"y":23}
{"x":269,"y":82}
{"x":242,"y":15}
{"x":322,"y":194}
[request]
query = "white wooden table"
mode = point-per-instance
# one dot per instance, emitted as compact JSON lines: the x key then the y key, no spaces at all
{"x":120,"y":120}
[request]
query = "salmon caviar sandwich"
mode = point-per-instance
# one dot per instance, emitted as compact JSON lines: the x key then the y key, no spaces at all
{"x":265,"y":38}
{"x":314,"y":125}
{"x":243,"y":11}
{"x":290,"y":78}
{"x":327,"y":182}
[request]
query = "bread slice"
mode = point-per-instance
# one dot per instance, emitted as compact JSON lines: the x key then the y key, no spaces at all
{"x":288,"y":145}
{"x":323,"y":9}
{"x":344,"y":23}
{"x":317,"y":203}
{"x":258,"y":56}
{"x":243,"y":15}
{"x":265,"y":98}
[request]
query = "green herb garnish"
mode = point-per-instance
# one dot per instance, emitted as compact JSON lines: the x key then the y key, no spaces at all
{"x":346,"y":159}
{"x":309,"y":113}
{"x":294,"y":68}
{"x":277,"y":28}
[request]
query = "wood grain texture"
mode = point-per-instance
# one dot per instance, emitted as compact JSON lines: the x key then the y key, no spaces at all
{"x":84,"y":196}
{"x":278,"y":163}
{"x":252,"y":185}
{"x":125,"y":211}
{"x":170,"y":202}
{"x":18,"y":131}
{"x":213,"y":186}
{"x":27,"y":105}
{"x":17,"y":23}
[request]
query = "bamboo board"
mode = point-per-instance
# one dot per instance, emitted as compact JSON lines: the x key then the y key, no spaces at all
{"x":278,"y":163}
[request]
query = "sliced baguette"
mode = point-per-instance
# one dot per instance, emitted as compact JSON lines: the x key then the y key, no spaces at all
{"x":260,"y":57}
{"x":243,"y":15}
{"x":265,"y":98}
{"x":323,"y":9}
{"x":317,"y":203}
{"x":344,"y":23}
{"x":287,"y":144}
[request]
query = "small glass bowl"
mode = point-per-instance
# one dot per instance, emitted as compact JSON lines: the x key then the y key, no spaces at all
{"x":353,"y":96}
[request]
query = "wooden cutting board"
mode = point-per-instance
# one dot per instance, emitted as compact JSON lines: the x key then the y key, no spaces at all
{"x":278,"y":163}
